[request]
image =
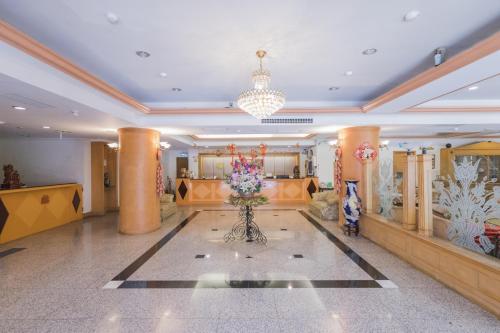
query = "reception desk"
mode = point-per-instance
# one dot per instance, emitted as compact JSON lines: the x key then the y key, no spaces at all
{"x":213,"y":191}
{"x":26,"y":211}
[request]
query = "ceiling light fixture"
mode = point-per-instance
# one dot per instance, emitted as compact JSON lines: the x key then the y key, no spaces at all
{"x":332,"y":142}
{"x":369,"y":51}
{"x":176,"y":89}
{"x":472,"y":88}
{"x":251,"y":136}
{"x":143,"y":54}
{"x":348,"y":73}
{"x":46,"y":127}
{"x":163,"y":74}
{"x":21,"y":108}
{"x":112,"y":18}
{"x":164,"y":145}
{"x":261,"y":102}
{"x":411,"y":15}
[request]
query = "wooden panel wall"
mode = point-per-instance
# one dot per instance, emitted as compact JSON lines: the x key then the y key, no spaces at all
{"x":474,"y":276}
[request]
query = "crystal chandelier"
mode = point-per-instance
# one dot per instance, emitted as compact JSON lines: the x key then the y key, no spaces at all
{"x":261,"y":102}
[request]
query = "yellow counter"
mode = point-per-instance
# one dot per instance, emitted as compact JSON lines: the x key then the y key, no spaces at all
{"x":211,"y":191}
{"x":26,"y":211}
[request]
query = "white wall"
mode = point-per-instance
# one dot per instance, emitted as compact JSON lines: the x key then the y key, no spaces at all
{"x":42,"y":162}
{"x":324,"y":161}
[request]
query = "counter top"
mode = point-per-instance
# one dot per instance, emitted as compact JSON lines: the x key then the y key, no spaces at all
{"x":35,"y":188}
{"x":265,"y":179}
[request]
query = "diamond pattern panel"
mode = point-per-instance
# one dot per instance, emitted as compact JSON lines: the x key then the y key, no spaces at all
{"x":76,"y":201}
{"x":182,"y":189}
{"x":4,"y":215}
{"x":311,"y":188}
{"x":201,"y":191}
{"x":292,"y":191}
{"x":29,"y":210}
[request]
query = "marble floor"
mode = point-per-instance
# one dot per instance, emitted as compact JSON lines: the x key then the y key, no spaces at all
{"x":86,"y":277}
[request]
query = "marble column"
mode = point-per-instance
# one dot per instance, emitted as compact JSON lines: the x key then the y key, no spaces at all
{"x":139,"y":203}
{"x":425,"y":219}
{"x":349,"y":139}
{"x":409,"y":193}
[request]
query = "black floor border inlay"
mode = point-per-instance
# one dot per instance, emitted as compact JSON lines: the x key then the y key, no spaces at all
{"x":11,"y":251}
{"x":291,"y":284}
{"x":356,"y":258}
{"x":214,"y":284}
{"x":258,"y":209}
{"x":127,"y":272}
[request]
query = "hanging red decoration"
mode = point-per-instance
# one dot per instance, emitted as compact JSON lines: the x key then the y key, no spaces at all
{"x":253,"y":154}
{"x":338,"y":170}
{"x":263,"y":149}
{"x":232,"y":150}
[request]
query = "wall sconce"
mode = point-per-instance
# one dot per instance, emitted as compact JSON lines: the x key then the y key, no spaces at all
{"x":384,"y":144}
{"x":333,"y":143}
{"x":164,"y":145}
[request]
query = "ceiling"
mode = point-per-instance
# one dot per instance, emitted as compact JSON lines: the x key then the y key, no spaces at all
{"x":208,"y":48}
{"x":46,"y":109}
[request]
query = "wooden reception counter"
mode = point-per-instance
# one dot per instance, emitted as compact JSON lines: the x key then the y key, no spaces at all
{"x":26,"y":211}
{"x":211,"y":191}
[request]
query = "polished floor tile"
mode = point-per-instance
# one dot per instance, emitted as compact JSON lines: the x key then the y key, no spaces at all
{"x":63,"y":281}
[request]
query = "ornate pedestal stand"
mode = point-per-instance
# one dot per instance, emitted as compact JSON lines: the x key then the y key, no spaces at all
{"x":246,"y":229}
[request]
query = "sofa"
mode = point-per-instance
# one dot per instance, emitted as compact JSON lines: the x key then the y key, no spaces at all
{"x":325,"y":205}
{"x":167,"y":206}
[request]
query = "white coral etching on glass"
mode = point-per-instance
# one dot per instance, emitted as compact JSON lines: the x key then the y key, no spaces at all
{"x":387,"y":190}
{"x":470,"y":206}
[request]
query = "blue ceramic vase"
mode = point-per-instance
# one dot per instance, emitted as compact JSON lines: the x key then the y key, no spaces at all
{"x":352,"y":203}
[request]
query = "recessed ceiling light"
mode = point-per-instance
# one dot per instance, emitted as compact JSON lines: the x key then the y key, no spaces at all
{"x":411,"y":15}
{"x":176,"y":89}
{"x":22,"y":108}
{"x":46,"y":127}
{"x":143,"y":54}
{"x":471,"y":88}
{"x":333,"y":88}
{"x":348,"y":73}
{"x":163,"y":74}
{"x":369,"y":51}
{"x":112,"y":18}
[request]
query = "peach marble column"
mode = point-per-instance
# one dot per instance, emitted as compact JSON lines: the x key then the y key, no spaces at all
{"x":349,"y":139}
{"x":409,"y":193}
{"x":425,"y":219}
{"x":139,"y":203}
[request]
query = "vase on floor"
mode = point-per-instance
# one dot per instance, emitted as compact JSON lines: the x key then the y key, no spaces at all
{"x":352,"y":203}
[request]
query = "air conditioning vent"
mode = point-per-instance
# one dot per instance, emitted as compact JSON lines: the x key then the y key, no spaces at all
{"x":287,"y":121}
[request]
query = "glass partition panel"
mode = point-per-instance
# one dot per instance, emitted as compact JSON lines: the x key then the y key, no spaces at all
{"x":467,"y":206}
{"x":390,"y":185}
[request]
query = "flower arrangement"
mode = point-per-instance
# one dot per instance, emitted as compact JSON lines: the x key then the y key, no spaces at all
{"x":246,"y":177}
{"x":365,"y":151}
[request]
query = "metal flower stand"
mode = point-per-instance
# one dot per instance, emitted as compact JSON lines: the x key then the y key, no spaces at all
{"x":246,"y":229}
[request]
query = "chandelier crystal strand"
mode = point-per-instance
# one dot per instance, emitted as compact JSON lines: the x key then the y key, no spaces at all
{"x":261,"y":102}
